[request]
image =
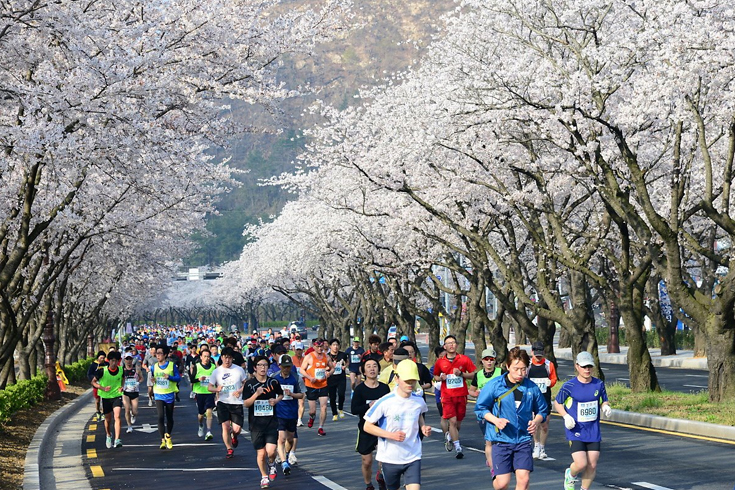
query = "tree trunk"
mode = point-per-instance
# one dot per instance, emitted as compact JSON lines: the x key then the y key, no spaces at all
{"x":640,"y":368}
{"x":721,"y":363}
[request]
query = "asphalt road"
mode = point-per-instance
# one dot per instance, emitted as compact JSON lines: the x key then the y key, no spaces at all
{"x":632,"y":458}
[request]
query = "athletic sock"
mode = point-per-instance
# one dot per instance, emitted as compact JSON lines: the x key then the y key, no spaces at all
{"x":457,"y":446}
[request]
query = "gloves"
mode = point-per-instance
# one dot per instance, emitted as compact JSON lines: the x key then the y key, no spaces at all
{"x":606,"y":411}
{"x":569,"y":422}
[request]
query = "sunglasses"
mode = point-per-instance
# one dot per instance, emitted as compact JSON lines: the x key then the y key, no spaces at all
{"x":488,"y":358}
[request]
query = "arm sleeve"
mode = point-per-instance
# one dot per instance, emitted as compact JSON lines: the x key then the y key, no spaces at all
{"x":358,"y":405}
{"x":552,"y":374}
{"x":177,"y":376}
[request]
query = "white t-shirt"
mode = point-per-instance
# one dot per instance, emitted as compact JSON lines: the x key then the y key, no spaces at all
{"x":230,"y":380}
{"x":393,"y":412}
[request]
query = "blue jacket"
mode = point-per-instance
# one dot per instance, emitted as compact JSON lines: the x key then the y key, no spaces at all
{"x":515,"y":432}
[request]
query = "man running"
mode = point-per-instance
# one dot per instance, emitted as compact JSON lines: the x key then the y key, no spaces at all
{"x":315,"y":369}
{"x":397,"y":419}
{"x":287,"y":411}
{"x":373,"y":351}
{"x":579,"y":402}
{"x":298,"y":359}
{"x":337,"y":382}
{"x":109,"y":383}
{"x":132,"y":377}
{"x":201,"y":373}
{"x":165,"y":375}
{"x":364,"y":396}
{"x":262,"y":394}
{"x":488,"y":372}
{"x":228,"y":381}
{"x":354,"y":357}
{"x":100,"y":362}
{"x":453,"y":369}
{"x":543,"y":373}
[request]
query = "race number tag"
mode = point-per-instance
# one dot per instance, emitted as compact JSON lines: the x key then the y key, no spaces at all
{"x":228,"y":389}
{"x":289,"y":388}
{"x":320,"y":373}
{"x":454,"y":381}
{"x":204,"y":382}
{"x":130,"y":384}
{"x":338,"y":368}
{"x":542,"y":383}
{"x":162,"y":383}
{"x":587,"y":411}
{"x":355,"y":358}
{"x":262,"y":408}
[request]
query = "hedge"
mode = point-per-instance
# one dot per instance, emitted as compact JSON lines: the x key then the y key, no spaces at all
{"x":28,"y":392}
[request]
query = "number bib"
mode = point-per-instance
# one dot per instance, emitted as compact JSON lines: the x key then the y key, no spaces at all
{"x":261,"y":408}
{"x":162,"y":383}
{"x":454,"y":381}
{"x":542,"y":383}
{"x":204,"y":382}
{"x":228,"y":389}
{"x":587,"y":411}
{"x":355,"y":358}
{"x":320,"y":373}
{"x":338,"y":368}
{"x":289,"y":388}
{"x":131,"y":384}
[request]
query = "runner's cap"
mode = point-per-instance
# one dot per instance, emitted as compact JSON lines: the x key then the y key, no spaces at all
{"x":489,"y":352}
{"x":538,"y":348}
{"x":298,"y":345}
{"x":356,"y":339}
{"x":404,"y":338}
{"x":407,"y":370}
{"x":585,"y":359}
{"x":285,"y":360}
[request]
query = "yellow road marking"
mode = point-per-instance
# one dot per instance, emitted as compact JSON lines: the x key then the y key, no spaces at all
{"x":92,"y":427}
{"x":97,"y":471}
{"x":90,"y":438}
{"x":91,"y":453}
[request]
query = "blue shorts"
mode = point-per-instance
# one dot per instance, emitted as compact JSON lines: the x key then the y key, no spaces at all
{"x":507,"y":458}
{"x":411,"y":474}
{"x":354,"y":368}
{"x":205,"y":401}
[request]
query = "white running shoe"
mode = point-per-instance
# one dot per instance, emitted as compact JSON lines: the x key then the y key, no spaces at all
{"x":299,"y":423}
{"x":108,"y":442}
{"x":150,"y":401}
{"x":132,"y":419}
{"x":542,"y":453}
{"x":208,"y":436}
{"x":200,"y":432}
{"x":130,"y":429}
{"x":536,"y":451}
{"x":192,"y":395}
{"x":292,"y":459}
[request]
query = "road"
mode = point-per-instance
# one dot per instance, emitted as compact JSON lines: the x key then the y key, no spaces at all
{"x":632,"y":459}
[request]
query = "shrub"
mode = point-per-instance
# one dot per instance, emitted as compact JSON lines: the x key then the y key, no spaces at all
{"x":23,"y":394}
{"x":77,"y":372}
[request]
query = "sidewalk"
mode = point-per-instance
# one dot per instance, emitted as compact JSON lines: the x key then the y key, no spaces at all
{"x":683,"y":358}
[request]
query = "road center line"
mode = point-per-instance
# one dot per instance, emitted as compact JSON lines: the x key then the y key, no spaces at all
{"x":184,"y":469}
{"x":328,"y":483}
{"x":695,"y":386}
{"x":650,"y":485}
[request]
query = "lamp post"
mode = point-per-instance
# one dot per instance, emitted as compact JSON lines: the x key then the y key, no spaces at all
{"x":52,"y":388}
{"x":90,"y":346}
{"x":613,"y":343}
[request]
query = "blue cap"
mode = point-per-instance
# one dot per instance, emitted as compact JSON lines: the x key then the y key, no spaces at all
{"x":404,"y":337}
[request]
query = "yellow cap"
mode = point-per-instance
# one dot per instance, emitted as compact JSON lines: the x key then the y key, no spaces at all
{"x":407,"y":370}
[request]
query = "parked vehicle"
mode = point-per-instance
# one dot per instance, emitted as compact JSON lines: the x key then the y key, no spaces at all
{"x":299,"y":328}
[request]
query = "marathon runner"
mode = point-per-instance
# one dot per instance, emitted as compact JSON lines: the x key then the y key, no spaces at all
{"x":148,"y":362}
{"x":201,"y":373}
{"x":364,"y":396}
{"x":298,"y":359}
{"x":287,"y":411}
{"x":132,"y":376}
{"x":228,"y":381}
{"x":337,"y":382}
{"x":579,"y":402}
{"x":543,"y":373}
{"x":315,"y":369}
{"x":165,"y":375}
{"x":109,"y":383}
{"x":373,"y":351}
{"x":453,"y":369}
{"x":263,"y":393}
{"x":397,"y":419}
{"x":100,"y":362}
{"x":488,"y":372}
{"x":354,"y":357}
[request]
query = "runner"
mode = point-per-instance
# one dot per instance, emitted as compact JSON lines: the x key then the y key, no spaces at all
{"x":165,"y":375}
{"x":579,"y":402}
{"x":263,"y":393}
{"x":315,"y":369}
{"x":364,"y":396}
{"x":132,"y":376}
{"x":543,"y":373}
{"x":148,"y":362}
{"x":100,"y":362}
{"x":488,"y":372}
{"x":201,"y":372}
{"x":227,"y":381}
{"x":287,"y":411}
{"x":373,"y":352}
{"x":388,"y":374}
{"x":337,"y":382}
{"x":514,"y":407}
{"x":440,"y":352}
{"x":453,"y":369}
{"x":298,"y":359}
{"x":387,"y":349}
{"x":397,"y":419}
{"x":109,"y":383}
{"x":354,"y":357}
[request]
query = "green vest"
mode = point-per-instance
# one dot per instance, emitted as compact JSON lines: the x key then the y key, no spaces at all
{"x":201,"y":386}
{"x":161,"y":385}
{"x":114,"y":381}
{"x":482,"y":380}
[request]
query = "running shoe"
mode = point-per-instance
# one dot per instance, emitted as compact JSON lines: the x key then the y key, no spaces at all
{"x":272,"y":473}
{"x":569,"y":480}
{"x":292,"y":460}
{"x":380,"y":480}
{"x":542,"y":453}
{"x":321,"y":432}
{"x":459,"y":452}
{"x":369,"y":487}
{"x":208,"y":436}
{"x":230,"y":454}
{"x":163,"y":443}
{"x":130,"y":429}
{"x":335,"y":418}
{"x":300,"y":423}
{"x":150,"y":401}
{"x":99,"y":416}
{"x":132,"y":419}
{"x":341,"y":414}
{"x":536,"y":451}
{"x":233,"y":439}
{"x":265,"y":482}
{"x":448,"y":442}
{"x":169,"y":442}
{"x":311,"y":422}
{"x":278,"y":459}
{"x":118,"y":442}
{"x":200,"y":432}
{"x":108,"y":442}
{"x":286,"y":468}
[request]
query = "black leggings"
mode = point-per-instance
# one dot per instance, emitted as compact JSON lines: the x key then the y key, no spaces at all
{"x":167,"y":410}
{"x":337,"y":389}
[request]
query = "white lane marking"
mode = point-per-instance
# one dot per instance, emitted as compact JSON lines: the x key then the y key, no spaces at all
{"x":328,"y":483}
{"x":694,"y":386}
{"x":697,"y":375}
{"x":652,"y":486}
{"x":175,"y":445}
{"x":622,"y":379}
{"x":184,"y":469}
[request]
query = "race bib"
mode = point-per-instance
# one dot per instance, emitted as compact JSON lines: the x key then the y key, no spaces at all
{"x":131,"y":384}
{"x":204,"y":382}
{"x":542,"y":383}
{"x":262,"y":408}
{"x":338,"y":368}
{"x":355,"y":359}
{"x":454,"y":381}
{"x":162,"y":383}
{"x":228,"y":389}
{"x":320,"y":373}
{"x":587,"y":411}
{"x":289,"y":388}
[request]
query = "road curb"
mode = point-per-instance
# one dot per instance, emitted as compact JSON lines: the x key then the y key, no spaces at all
{"x":690,"y":427}
{"x":699,"y":363}
{"x":41,"y":439}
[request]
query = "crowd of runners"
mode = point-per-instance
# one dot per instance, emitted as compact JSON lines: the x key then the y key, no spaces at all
{"x":279,"y":379}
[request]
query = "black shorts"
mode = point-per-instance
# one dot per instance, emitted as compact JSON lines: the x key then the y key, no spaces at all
{"x":366,"y":443}
{"x":576,"y":446}
{"x":109,"y":403}
{"x":131,"y":394}
{"x":314,"y":394}
{"x":439,"y":407}
{"x":288,"y":425}
{"x":235,"y":413}
{"x":205,"y":401}
{"x":411,"y":474}
{"x":261,"y":437}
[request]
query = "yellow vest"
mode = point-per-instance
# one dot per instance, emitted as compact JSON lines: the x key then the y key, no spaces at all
{"x":161,"y":385}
